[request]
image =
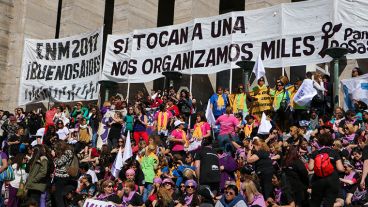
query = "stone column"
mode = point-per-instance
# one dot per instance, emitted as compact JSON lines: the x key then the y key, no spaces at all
{"x":19,"y":20}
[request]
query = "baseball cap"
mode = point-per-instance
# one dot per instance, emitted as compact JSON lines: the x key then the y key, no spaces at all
{"x":178,"y":122}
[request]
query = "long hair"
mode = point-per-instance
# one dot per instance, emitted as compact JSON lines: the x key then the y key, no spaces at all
{"x":291,"y":155}
{"x":262,"y":144}
{"x":249,"y":189}
{"x":60,"y":147}
{"x":164,"y":197}
{"x":19,"y":160}
{"x":38,"y":152}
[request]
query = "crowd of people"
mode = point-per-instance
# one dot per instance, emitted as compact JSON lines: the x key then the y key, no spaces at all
{"x":312,"y":155}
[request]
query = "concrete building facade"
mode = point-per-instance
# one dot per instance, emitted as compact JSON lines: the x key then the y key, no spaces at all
{"x":45,"y":19}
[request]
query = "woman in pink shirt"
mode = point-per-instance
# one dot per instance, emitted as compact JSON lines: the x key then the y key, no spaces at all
{"x":228,"y":123}
{"x":178,"y":139}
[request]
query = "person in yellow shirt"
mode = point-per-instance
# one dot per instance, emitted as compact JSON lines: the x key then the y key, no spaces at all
{"x":262,"y":99}
{"x":240,"y":102}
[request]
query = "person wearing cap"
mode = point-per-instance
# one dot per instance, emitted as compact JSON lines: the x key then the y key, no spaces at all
{"x":178,"y":138}
{"x":240,"y":101}
{"x":262,"y":101}
{"x":349,"y":181}
{"x":218,"y":102}
{"x":169,"y":185}
{"x":79,"y":111}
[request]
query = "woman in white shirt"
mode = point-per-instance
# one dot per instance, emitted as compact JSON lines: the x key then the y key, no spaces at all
{"x":20,"y":176}
{"x":61,"y":130}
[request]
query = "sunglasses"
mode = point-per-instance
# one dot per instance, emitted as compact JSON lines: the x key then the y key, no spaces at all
{"x":279,"y":85}
{"x":229,"y":193}
{"x":109,"y":186}
{"x":182,"y":186}
{"x":190,"y":186}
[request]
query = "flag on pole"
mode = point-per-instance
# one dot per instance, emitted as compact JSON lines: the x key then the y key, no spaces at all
{"x":118,"y":164}
{"x":305,"y":93}
{"x":265,"y":126}
{"x":121,"y":158}
{"x":128,"y":152}
{"x":258,"y":68}
{"x":209,"y":114}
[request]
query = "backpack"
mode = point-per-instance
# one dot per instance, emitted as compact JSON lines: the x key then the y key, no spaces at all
{"x":73,"y":168}
{"x":322,"y":165}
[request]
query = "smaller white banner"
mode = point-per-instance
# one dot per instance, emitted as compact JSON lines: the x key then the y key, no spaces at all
{"x":96,"y":203}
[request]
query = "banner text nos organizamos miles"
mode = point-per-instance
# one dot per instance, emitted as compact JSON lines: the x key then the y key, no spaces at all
{"x":284,"y":35}
{"x":62,"y":70}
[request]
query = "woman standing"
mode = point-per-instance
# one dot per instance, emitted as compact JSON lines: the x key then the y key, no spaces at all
{"x":296,"y":176}
{"x":178,"y":138}
{"x":201,"y":130}
{"x":259,"y":154}
{"x":280,"y":105}
{"x":62,"y":181}
{"x":20,"y":176}
{"x":325,"y":181}
{"x":37,"y":179}
{"x":115,"y":129}
{"x":140,"y":125}
{"x":228,"y":123}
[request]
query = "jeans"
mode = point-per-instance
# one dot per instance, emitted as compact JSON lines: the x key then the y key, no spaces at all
{"x":94,"y":139}
{"x":225,"y":142}
{"x":147,"y":190}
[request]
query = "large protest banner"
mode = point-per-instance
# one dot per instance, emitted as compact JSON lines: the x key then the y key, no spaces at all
{"x":355,"y":89}
{"x":283,"y":35}
{"x":61,"y":70}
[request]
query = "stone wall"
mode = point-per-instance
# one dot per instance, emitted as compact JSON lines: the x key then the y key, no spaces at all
{"x":25,"y":19}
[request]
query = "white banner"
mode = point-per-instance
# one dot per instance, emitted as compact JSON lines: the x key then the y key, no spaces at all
{"x":96,"y":203}
{"x":284,"y":35}
{"x":61,"y":70}
{"x":355,"y":89}
{"x":305,"y":93}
